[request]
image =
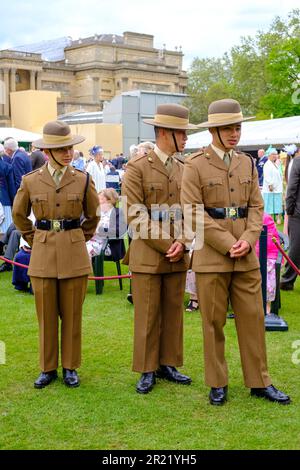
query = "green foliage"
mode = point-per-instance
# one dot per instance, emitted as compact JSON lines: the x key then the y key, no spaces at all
{"x":105,"y":412}
{"x":262,"y":73}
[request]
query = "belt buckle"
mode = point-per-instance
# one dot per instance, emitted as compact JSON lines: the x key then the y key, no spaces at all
{"x":232,"y":213}
{"x":56,"y":225}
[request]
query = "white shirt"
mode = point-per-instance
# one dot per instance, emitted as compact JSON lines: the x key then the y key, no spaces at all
{"x":97,"y":172}
{"x":272,"y":176}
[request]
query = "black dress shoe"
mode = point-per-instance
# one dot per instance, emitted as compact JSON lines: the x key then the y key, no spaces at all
{"x":171,"y":373}
{"x":71,"y":378}
{"x":45,"y":378}
{"x":129,"y":298}
{"x":146,"y":382}
{"x":286,"y":286}
{"x":272,"y":394}
{"x":5,"y":267}
{"x":218,"y":395}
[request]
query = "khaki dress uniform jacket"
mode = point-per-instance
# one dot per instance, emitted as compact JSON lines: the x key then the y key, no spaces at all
{"x":157,"y":284}
{"x":59,"y":263}
{"x":208,"y":181}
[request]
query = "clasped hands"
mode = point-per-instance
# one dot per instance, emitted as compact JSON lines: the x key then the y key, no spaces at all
{"x":175,"y":252}
{"x":239,"y":249}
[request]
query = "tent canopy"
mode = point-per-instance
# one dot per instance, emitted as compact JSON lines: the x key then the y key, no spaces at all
{"x":257,"y":134}
{"x":18,"y":134}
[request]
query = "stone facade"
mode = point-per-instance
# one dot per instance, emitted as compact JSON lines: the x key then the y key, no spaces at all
{"x":93,"y":71}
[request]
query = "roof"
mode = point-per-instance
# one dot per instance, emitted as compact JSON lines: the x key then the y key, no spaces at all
{"x":19,"y":134}
{"x":257,"y":133}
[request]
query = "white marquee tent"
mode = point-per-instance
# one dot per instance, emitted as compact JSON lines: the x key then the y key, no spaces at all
{"x":18,"y":134}
{"x":257,"y":134}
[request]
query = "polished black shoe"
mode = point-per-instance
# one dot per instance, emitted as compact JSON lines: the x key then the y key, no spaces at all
{"x":129,"y":298}
{"x":146,"y":382}
{"x":45,"y":378}
{"x":171,"y":373}
{"x":218,"y":395}
{"x":71,"y":378}
{"x":5,"y":267}
{"x":286,"y":286}
{"x":272,"y":394}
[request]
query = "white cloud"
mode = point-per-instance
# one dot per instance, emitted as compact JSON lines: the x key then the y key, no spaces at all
{"x":202,"y":30}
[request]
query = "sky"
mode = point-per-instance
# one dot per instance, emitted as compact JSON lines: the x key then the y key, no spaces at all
{"x":202,"y":29}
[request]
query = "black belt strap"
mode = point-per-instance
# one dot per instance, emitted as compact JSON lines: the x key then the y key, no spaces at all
{"x":227,"y":212}
{"x":57,"y":225}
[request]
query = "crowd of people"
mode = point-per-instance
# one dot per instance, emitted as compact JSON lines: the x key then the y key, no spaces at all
{"x":63,"y":225}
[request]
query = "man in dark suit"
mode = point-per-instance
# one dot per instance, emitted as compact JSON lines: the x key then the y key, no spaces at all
{"x":21,"y":163}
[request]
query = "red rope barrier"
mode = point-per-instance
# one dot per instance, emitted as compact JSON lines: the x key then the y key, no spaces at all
{"x":90,"y":278}
{"x":286,"y":256}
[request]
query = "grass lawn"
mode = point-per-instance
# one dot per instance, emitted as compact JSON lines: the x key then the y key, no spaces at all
{"x":105,"y":412}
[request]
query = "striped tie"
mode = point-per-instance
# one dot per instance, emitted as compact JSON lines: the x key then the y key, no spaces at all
{"x":169,"y":164}
{"x":226,"y":159}
{"x":57,"y":176}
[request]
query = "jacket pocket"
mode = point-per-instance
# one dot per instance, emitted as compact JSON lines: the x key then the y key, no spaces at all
{"x":213,"y":191}
{"x":153,"y":192}
{"x":40,"y":205}
{"x":40,"y":236}
{"x":245,"y":185}
{"x":74,"y":205}
{"x":77,"y":235}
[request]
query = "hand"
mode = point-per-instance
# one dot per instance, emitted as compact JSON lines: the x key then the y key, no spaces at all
{"x":175,"y":252}
{"x":239,"y":249}
{"x":271,"y":188}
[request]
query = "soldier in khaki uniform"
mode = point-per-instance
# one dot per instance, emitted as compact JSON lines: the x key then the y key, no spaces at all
{"x":157,"y":259}
{"x":225,"y":182}
{"x":59,"y":266}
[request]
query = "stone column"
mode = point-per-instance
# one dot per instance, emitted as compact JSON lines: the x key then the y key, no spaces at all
{"x":32,"y":80}
{"x":12,"y":79}
{"x":2,"y":93}
{"x":39,"y":81}
{"x":6,"y":93}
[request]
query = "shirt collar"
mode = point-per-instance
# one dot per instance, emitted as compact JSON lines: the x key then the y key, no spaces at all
{"x":161,"y":155}
{"x":52,"y":170}
{"x":220,"y":152}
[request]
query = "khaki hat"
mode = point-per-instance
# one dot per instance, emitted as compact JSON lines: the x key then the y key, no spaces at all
{"x":57,"y":134}
{"x":223,"y":113}
{"x":171,"y":116}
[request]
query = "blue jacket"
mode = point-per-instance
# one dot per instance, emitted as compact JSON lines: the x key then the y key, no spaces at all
{"x":260,"y":169}
{"x":7,"y":184}
{"x":21,"y":165}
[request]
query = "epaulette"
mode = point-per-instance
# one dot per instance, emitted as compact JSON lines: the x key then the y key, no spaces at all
{"x":137,"y":158}
{"x":196,"y":154}
{"x":33,"y":171}
{"x":80,"y":171}
{"x":249,"y":156}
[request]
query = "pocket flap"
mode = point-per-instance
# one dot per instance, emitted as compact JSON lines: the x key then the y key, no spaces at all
{"x":40,"y":236}
{"x":152,"y":186}
{"x":245,"y":179}
{"x":212,"y":181}
{"x":39,"y":197}
{"x":77,"y":235}
{"x":73,"y":197}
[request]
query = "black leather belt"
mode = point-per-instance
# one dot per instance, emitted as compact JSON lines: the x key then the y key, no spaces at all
{"x":56,"y":225}
{"x":227,"y":212}
{"x":166,"y":215}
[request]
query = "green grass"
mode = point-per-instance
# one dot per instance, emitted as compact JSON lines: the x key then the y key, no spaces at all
{"x":105,"y":412}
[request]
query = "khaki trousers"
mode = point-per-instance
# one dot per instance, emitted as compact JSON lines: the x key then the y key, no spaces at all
{"x":158,"y":320}
{"x":244,"y":291}
{"x":64,"y":298}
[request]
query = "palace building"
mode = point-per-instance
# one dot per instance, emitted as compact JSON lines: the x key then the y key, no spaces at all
{"x":89,"y":72}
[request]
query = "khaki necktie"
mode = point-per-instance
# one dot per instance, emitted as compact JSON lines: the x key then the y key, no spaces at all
{"x":57,"y":176}
{"x":169,"y":164}
{"x":226,"y":159}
